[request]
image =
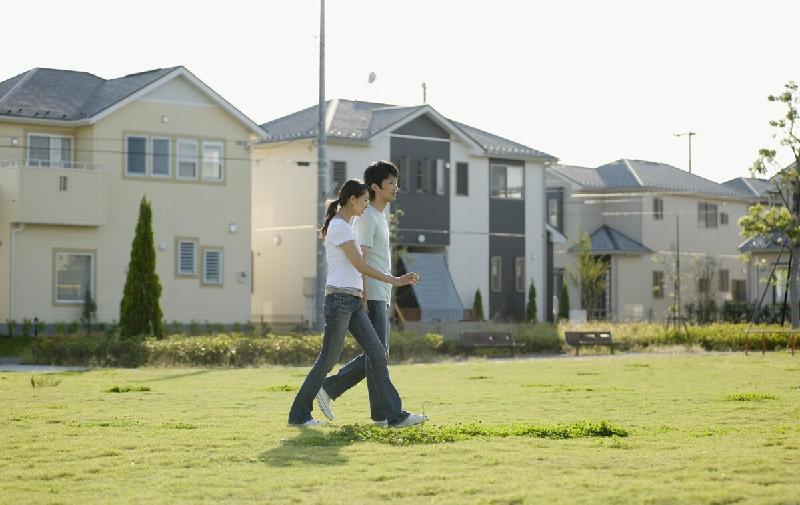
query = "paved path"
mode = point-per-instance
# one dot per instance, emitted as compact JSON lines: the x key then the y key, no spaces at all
{"x":13,"y":365}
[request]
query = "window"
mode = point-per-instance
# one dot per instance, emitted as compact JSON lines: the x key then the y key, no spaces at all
{"x":438,"y":182}
{"x":658,"y":209}
{"x":706,"y":215}
{"x":187,"y":257}
{"x":555,"y":209}
{"x":338,"y":176}
{"x":74,"y":276}
{"x":212,"y":161}
{"x":136,"y":155}
{"x":658,"y":284}
{"x":402,"y":168}
{"x":506,"y":181}
{"x":519,"y":275}
{"x":496,"y":273}
{"x":419,"y":177}
{"x":724,"y":281}
{"x":462,"y":179}
{"x":62,"y":183}
{"x":703,"y":285}
{"x":187,"y":159}
{"x":552,"y":212}
{"x":212,"y":266}
{"x":160,"y":157}
{"x":49,"y":151}
{"x":723,"y":218}
{"x":739,"y":290}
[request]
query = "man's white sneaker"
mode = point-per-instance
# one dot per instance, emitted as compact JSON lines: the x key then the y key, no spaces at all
{"x":311,"y":423}
{"x":324,"y":402}
{"x":411,"y":420}
{"x":381,"y":424}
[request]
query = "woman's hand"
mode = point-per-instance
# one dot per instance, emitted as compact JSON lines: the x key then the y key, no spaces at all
{"x":365,"y":305}
{"x":408,"y":279}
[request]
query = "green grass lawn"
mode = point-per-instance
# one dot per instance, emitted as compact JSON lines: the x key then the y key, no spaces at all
{"x":701,"y":429}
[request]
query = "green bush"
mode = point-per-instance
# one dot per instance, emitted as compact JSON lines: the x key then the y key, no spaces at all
{"x":83,"y":350}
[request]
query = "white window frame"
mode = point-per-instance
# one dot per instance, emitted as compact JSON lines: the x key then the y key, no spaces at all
{"x":128,"y":173}
{"x":178,"y":250}
{"x":62,"y":163}
{"x":179,"y":158}
{"x":498,"y":288}
{"x":440,"y":171}
{"x":519,"y":274}
{"x":213,"y":143}
{"x":80,"y":300}
{"x":221,"y":280}
{"x":151,"y":157}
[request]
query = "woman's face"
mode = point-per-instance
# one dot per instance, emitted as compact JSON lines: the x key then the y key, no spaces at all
{"x":359,"y":203}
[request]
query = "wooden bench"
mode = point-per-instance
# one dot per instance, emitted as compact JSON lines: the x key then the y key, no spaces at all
{"x":474,"y":340}
{"x":579,"y":338}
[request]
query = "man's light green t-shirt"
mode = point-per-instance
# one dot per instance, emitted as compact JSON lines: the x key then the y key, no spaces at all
{"x":372,"y":230}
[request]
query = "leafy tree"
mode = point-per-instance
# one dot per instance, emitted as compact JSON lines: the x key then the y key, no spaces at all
{"x":563,"y":303}
{"x":140,"y":311}
{"x":782,"y":221}
{"x":477,"y":306}
{"x":530,"y":309}
{"x":590,"y":274}
{"x":89,"y":311}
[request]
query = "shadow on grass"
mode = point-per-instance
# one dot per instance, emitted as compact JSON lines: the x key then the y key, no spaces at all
{"x":179,"y":375}
{"x":304,"y":449}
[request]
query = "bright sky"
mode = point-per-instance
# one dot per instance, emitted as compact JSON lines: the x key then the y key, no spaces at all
{"x":587,"y":81}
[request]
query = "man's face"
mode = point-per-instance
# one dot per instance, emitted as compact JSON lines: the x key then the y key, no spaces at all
{"x":388,"y":190}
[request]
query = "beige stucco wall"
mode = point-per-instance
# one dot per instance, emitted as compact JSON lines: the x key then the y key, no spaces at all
{"x":201,"y":210}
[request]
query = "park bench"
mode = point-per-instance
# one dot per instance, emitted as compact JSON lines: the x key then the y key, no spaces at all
{"x":475,"y":340}
{"x":578,"y":338}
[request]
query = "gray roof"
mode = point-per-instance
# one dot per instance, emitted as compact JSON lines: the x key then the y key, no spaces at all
{"x":631,"y":175}
{"x":751,"y":187}
{"x":772,"y":242}
{"x":608,"y":240}
{"x":66,"y":95}
{"x":361,"y":120}
{"x":436,"y":293}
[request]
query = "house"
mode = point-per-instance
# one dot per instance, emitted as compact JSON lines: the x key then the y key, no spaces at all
{"x":78,"y":153}
{"x":767,"y":257}
{"x":637,"y":214}
{"x":472,"y":207}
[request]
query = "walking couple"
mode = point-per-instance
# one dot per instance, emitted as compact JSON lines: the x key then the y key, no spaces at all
{"x":357,"y":296}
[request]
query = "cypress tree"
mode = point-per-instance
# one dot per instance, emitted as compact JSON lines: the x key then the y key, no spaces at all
{"x":477,"y":306}
{"x":140,"y":310}
{"x":563,"y":303}
{"x":530,"y":309}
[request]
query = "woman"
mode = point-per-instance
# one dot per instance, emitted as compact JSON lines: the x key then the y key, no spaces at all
{"x":344,"y":309}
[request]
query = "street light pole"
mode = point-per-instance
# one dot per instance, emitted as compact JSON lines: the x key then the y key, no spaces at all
{"x":322,"y":175}
{"x":690,"y":135}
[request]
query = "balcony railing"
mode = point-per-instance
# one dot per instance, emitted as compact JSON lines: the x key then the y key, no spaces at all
{"x":55,"y":165}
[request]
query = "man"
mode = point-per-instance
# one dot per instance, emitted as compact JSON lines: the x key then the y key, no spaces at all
{"x":372,"y":230}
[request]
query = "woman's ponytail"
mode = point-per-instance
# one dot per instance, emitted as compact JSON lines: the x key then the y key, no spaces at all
{"x":332,"y":209}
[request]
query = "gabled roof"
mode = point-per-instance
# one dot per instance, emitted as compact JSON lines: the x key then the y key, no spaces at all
{"x":67,"y":96}
{"x":751,"y":187}
{"x":641,"y":175}
{"x":357,"y":120}
{"x":772,"y":242}
{"x":608,"y":240}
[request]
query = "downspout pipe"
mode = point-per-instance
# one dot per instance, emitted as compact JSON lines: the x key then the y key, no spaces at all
{"x":13,"y":276}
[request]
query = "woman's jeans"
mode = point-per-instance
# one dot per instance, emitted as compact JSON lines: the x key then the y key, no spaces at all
{"x":345,"y":312}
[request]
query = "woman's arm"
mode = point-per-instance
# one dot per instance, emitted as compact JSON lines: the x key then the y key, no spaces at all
{"x":358,"y":262}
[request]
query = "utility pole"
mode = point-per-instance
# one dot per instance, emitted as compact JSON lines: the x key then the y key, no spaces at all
{"x":424,"y":93}
{"x":322,"y":175}
{"x":690,"y":135}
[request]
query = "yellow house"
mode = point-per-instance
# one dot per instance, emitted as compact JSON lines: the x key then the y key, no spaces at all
{"x":77,"y":154}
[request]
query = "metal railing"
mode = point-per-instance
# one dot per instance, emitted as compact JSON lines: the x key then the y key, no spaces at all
{"x":53,"y":165}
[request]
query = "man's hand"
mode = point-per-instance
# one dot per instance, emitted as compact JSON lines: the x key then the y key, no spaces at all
{"x":365,"y":305}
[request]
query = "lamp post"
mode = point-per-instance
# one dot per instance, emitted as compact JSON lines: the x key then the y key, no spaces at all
{"x":322,"y":173}
{"x":690,"y":135}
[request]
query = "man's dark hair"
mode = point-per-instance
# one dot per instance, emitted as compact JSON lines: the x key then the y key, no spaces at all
{"x":378,"y":172}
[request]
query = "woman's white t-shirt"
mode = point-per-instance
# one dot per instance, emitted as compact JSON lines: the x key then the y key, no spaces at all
{"x":341,"y":273}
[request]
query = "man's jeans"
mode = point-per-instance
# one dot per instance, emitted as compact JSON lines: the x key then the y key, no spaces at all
{"x":343,"y":312}
{"x":359,"y":367}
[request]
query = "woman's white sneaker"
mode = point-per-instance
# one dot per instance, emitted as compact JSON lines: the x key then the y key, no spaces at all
{"x":311,"y":423}
{"x":324,"y":402}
